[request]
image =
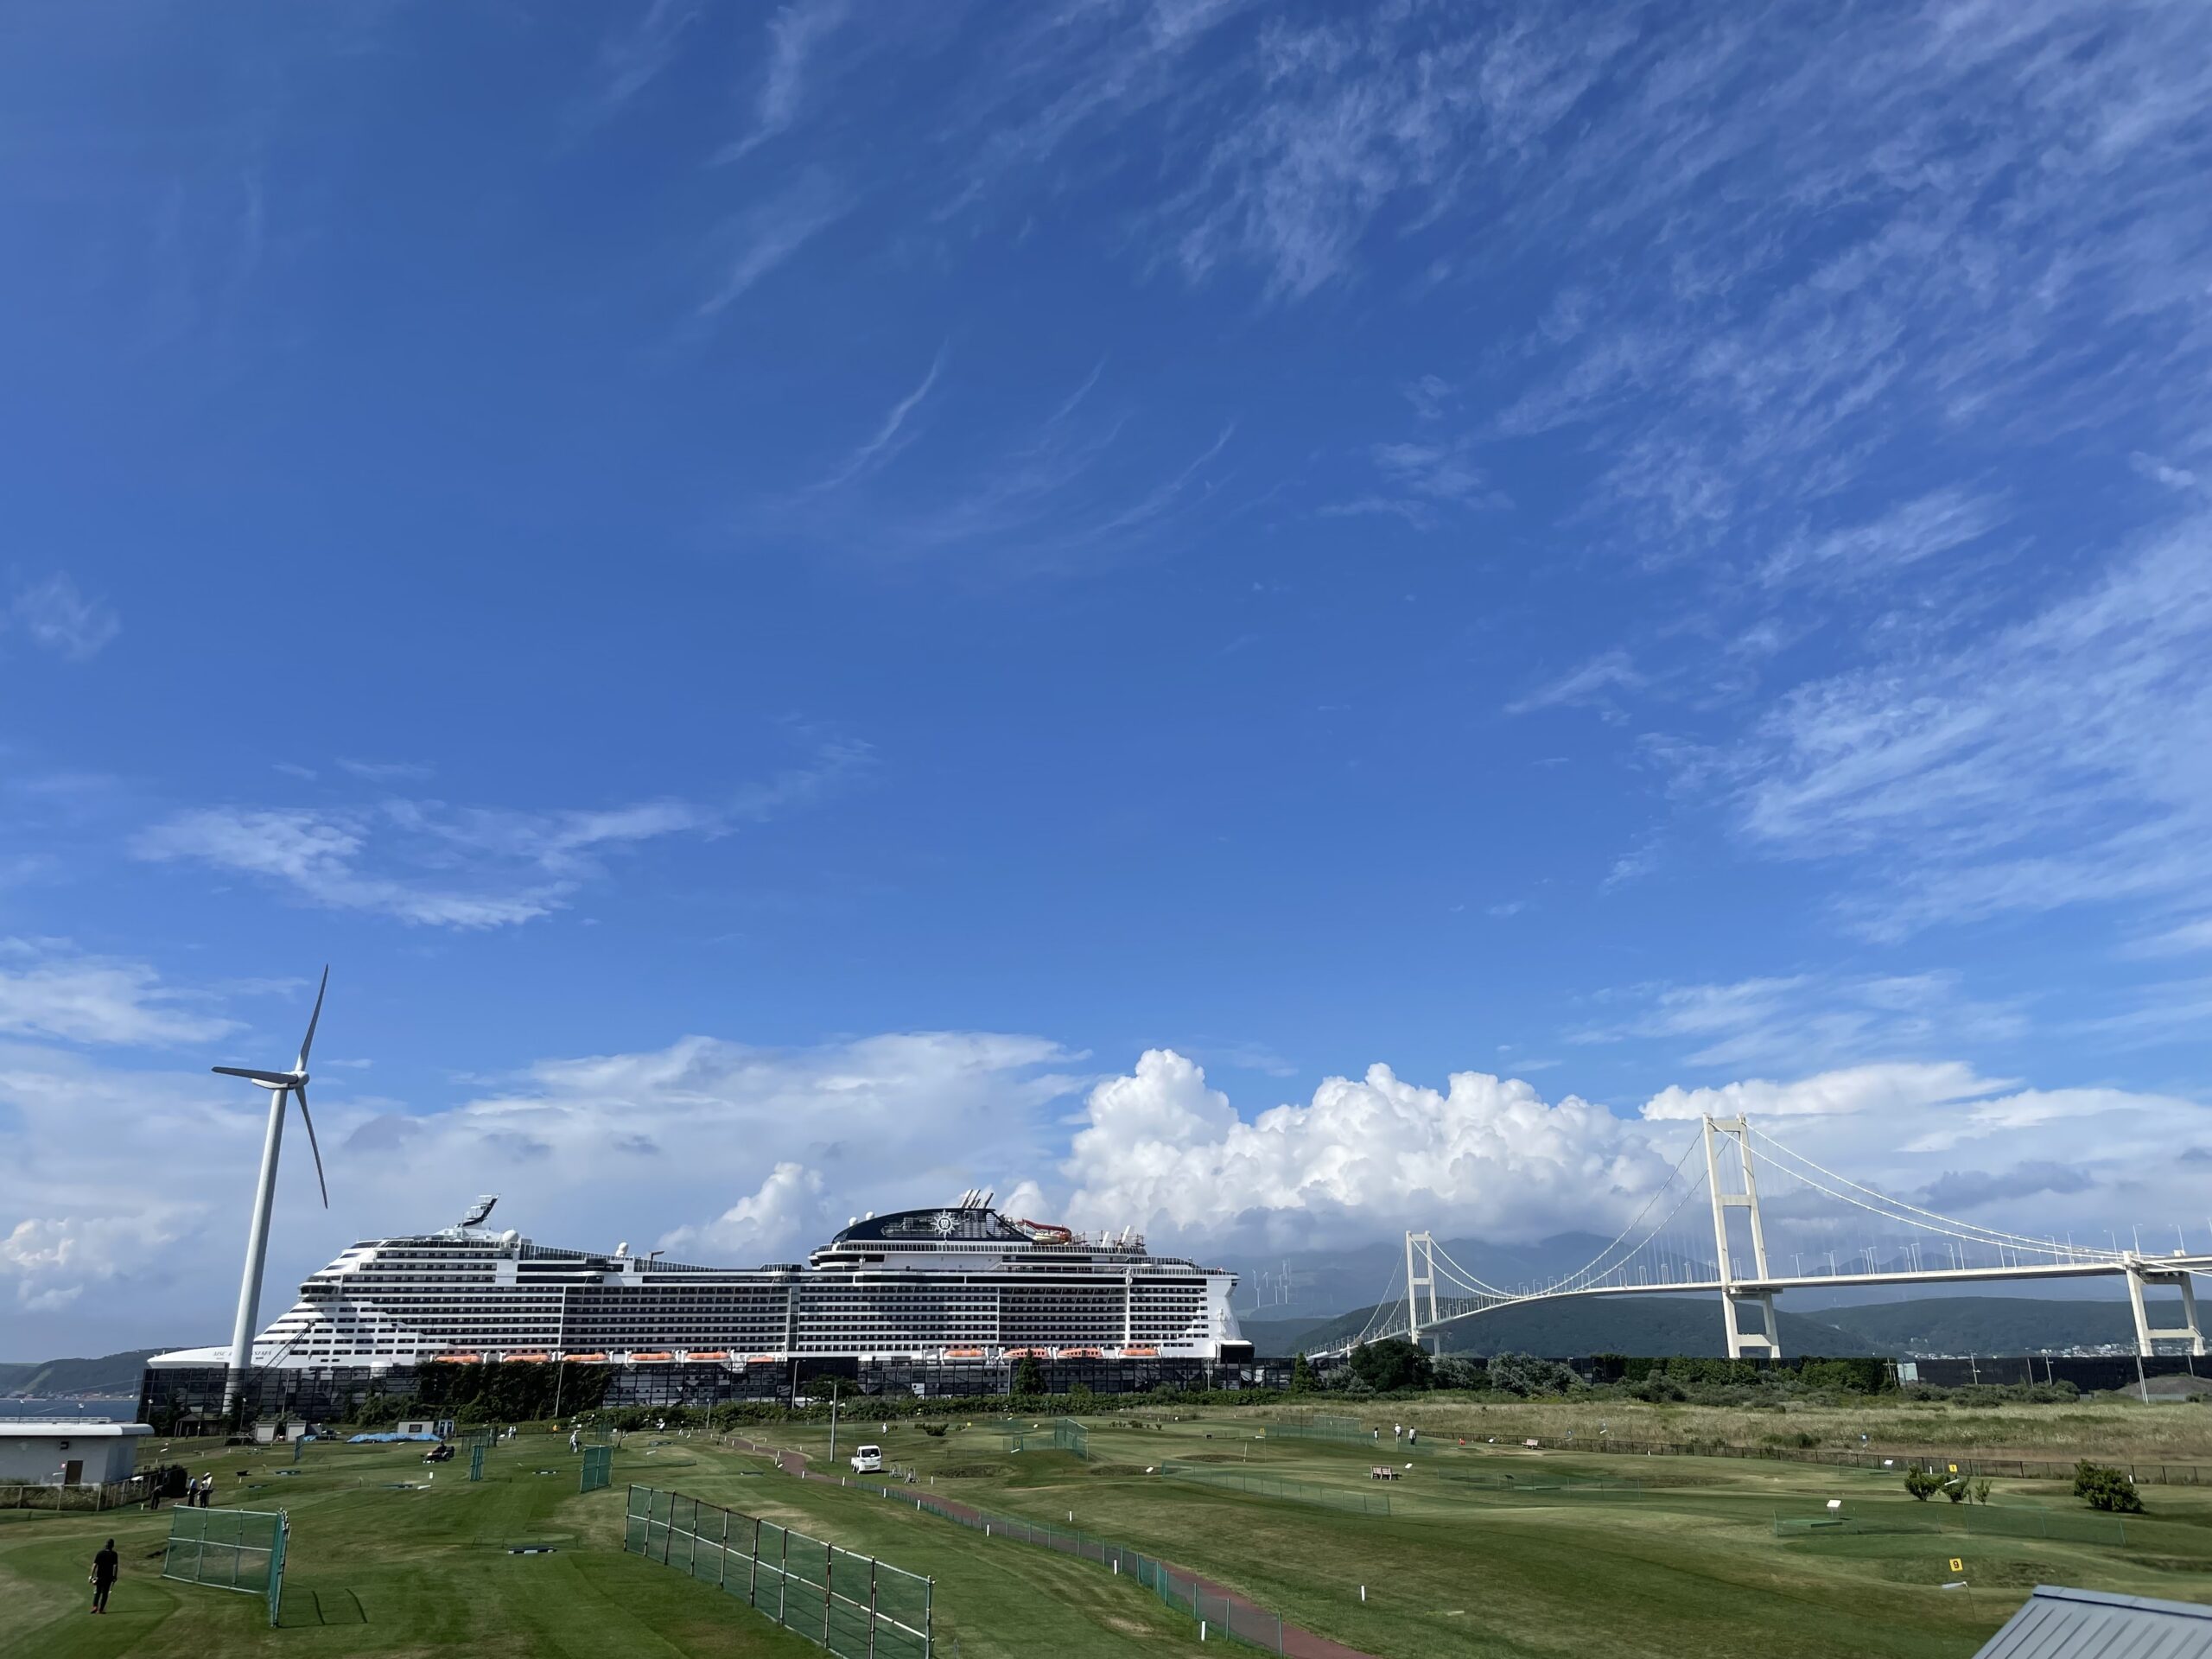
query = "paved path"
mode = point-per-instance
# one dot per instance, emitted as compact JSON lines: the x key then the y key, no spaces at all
{"x":1298,"y":1643}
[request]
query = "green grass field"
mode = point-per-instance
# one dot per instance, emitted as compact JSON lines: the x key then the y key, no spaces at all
{"x":1688,"y":1563}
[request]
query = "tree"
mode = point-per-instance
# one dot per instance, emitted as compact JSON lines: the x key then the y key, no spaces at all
{"x":1391,"y":1363}
{"x":2103,"y":1487}
{"x":1301,"y":1375}
{"x":1980,"y":1493}
{"x":1923,"y":1484}
{"x":1526,"y":1373}
{"x":1467,"y":1374}
{"x":1028,"y":1375}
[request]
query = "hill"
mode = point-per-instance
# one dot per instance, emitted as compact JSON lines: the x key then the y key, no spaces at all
{"x":1620,"y":1325}
{"x":1990,"y":1324}
{"x":111,"y":1375}
{"x":1691,"y":1325}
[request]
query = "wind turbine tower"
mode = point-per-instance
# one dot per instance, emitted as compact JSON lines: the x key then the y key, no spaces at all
{"x":279,"y":1085}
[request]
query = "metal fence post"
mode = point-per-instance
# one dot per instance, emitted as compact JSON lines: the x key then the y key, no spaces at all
{"x":783,"y":1571}
{"x":871,"y":1607}
{"x":752,"y":1583}
{"x":829,"y":1594}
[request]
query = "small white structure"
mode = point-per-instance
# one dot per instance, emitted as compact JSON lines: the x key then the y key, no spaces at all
{"x":67,"y":1451}
{"x":869,"y":1460}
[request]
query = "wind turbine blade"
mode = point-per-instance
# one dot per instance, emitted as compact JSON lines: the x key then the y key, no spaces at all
{"x":273,"y":1079}
{"x":300,"y":1094}
{"x":307,"y":1041}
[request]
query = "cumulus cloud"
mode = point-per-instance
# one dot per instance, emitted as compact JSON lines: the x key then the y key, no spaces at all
{"x":1161,"y":1148}
{"x":787,"y":1206}
{"x":53,"y":1260}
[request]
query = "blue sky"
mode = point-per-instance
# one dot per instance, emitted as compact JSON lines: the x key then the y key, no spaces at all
{"x":787,"y":591}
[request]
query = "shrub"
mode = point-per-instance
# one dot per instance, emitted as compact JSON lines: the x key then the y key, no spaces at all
{"x":1923,"y":1484}
{"x":2103,"y":1487}
{"x":935,"y":1431}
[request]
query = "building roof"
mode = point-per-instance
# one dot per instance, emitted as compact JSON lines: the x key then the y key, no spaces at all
{"x":2061,"y":1624}
{"x":66,"y":1429}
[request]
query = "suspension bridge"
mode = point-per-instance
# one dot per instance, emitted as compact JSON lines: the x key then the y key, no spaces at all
{"x":1850,"y":1234}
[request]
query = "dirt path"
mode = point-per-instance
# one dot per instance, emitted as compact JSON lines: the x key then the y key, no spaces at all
{"x":1298,"y":1643}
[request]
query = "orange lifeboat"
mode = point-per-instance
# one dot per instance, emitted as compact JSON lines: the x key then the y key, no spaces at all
{"x":1080,"y":1353}
{"x":1028,"y":1353}
{"x":457,"y":1359}
{"x":655,"y":1357}
{"x":1140,"y":1353}
{"x":1047,"y":1232}
{"x":528,"y":1359}
{"x":584,"y":1359}
{"x":963,"y":1353}
{"x":764,"y":1359}
{"x":702,"y":1357}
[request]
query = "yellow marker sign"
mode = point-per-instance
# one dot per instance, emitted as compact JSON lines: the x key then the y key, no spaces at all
{"x":1957,"y":1566}
{"x":1954,"y":1468}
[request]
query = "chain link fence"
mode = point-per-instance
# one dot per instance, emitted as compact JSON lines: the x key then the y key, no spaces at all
{"x":856,"y":1606}
{"x":229,"y":1549}
{"x":1220,"y":1613}
{"x":599,"y":1469}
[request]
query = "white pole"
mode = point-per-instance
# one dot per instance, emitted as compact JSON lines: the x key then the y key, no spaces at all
{"x":256,"y":1250}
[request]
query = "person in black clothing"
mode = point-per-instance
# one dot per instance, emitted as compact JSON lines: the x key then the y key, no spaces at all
{"x":106,"y":1565}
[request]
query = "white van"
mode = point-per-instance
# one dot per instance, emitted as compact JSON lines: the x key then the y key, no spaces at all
{"x":869,"y":1460}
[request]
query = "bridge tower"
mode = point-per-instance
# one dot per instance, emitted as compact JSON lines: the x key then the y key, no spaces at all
{"x":2140,"y":1273}
{"x":1727,"y":1149}
{"x":1421,"y":1248}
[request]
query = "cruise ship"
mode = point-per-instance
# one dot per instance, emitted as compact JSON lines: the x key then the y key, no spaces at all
{"x":960,"y":1285}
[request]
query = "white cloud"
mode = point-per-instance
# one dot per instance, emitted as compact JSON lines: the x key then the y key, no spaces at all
{"x":633,"y":58}
{"x":1160,"y":1148}
{"x":2055,"y":761}
{"x":60,"y":619}
{"x":793,"y":33}
{"x":887,"y":442}
{"x":1906,"y":534}
{"x":1890,"y":1088}
{"x":787,"y":1206}
{"x":48,"y":990}
{"x":54,"y":1261}
{"x":437,"y":865}
{"x":1586,"y":683}
{"x":766,"y":236}
{"x":1806,"y":1018}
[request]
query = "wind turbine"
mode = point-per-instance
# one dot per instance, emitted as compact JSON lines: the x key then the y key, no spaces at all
{"x":279,"y":1085}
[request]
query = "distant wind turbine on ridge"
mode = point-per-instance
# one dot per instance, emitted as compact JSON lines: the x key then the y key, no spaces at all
{"x":280,"y":1084}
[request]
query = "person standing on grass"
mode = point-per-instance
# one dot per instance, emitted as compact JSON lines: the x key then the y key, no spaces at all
{"x":105,"y":1565}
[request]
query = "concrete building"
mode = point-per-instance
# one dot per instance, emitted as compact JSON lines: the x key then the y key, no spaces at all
{"x":67,"y":1452}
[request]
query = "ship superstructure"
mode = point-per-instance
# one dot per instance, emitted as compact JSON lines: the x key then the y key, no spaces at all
{"x":962,"y":1282}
